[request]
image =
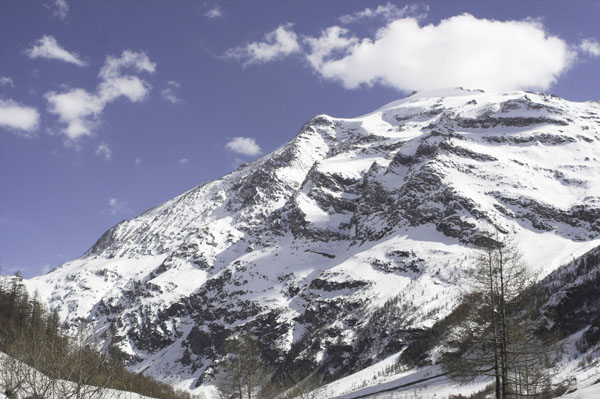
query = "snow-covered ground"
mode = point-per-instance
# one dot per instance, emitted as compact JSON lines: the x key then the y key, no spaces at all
{"x":25,"y":391}
{"x":429,"y":383}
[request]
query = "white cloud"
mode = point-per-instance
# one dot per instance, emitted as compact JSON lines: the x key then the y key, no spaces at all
{"x":138,"y":161}
{"x":459,"y":51}
{"x":116,"y":206}
{"x":131,"y":87}
{"x":6,"y":81}
{"x":45,"y":268}
{"x":80,"y":110}
{"x":182,"y":161}
{"x":590,"y":46}
{"x":244,"y":145}
{"x":170,"y":92}
{"x":48,"y":47}
{"x":61,"y":9}
{"x":387,"y":11}
{"x":19,"y":117}
{"x":279,"y":43}
{"x":214,"y":12}
{"x":103,"y":150}
{"x":77,"y":109}
{"x":138,"y":61}
{"x":333,"y":40}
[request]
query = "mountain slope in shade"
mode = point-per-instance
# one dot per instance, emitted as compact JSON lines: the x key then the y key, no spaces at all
{"x":311,"y":246}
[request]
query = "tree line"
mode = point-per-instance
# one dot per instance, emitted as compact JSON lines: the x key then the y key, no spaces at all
{"x":41,"y":361}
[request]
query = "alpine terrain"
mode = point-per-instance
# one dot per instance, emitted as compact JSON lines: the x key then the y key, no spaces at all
{"x":342,"y":247}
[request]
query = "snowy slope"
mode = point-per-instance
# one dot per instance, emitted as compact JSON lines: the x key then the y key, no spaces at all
{"x":428,"y":383}
{"x":54,"y":393}
{"x":306,"y":245}
{"x":569,"y":300}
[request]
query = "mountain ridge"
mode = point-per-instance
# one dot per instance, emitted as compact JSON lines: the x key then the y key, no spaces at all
{"x":305,"y":244}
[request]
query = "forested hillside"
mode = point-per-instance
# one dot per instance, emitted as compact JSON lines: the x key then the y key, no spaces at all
{"x":43,"y":362}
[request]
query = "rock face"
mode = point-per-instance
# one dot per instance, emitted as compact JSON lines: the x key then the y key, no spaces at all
{"x":337,"y":247}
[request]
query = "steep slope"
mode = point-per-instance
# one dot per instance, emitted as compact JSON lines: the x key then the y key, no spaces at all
{"x":568,"y":301}
{"x":308,"y":245}
{"x":56,"y":387}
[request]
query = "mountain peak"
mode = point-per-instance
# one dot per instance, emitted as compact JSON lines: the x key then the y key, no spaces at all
{"x":433,"y":93}
{"x":305,"y":244}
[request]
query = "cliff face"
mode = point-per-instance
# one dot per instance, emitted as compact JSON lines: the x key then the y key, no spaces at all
{"x":335,"y":248}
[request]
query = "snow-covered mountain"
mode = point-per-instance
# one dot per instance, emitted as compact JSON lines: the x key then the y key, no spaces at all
{"x":335,"y":248}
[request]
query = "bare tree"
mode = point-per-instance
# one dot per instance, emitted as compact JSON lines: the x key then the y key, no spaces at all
{"x":34,"y":352}
{"x":86,"y":372}
{"x":497,"y":337}
{"x":243,"y":373}
{"x":13,"y":375}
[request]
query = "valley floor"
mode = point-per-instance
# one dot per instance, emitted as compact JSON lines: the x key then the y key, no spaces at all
{"x":425,"y":383}
{"x":430,"y":383}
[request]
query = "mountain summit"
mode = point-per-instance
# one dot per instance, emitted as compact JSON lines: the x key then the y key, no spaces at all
{"x":308,"y":245}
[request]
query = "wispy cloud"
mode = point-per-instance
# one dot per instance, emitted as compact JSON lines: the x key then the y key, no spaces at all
{"x":61,"y":9}
{"x":214,"y":12}
{"x":183,"y":161}
{"x":48,"y":47}
{"x":15,"y":116}
{"x":80,"y":110}
{"x":277,"y":44}
{"x":590,"y":47}
{"x":244,"y":145}
{"x":137,"y":161}
{"x":103,"y":150}
{"x":332,"y":40}
{"x":117,"y":206}
{"x":387,"y":11}
{"x":6,"y":81}
{"x":113,"y":66}
{"x":169,"y":93}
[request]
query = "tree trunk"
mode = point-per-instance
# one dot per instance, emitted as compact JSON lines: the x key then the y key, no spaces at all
{"x":504,"y":336}
{"x":492,"y":304}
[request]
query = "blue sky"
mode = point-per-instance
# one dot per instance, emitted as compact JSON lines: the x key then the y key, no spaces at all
{"x":108,"y":108}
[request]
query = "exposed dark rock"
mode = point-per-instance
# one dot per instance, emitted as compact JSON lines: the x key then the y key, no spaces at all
{"x":491,"y":122}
